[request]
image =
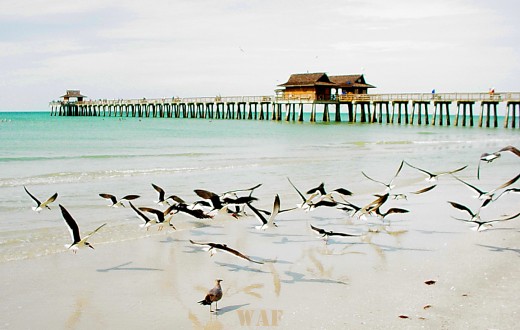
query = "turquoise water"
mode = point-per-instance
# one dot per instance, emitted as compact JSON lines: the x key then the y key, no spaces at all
{"x":80,"y":157}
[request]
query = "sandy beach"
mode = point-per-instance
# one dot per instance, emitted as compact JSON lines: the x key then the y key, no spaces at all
{"x":376,"y":281}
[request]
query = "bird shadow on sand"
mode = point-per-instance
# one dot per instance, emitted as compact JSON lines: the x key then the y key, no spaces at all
{"x":169,"y":240}
{"x":299,"y":277}
{"x":231,"y":308}
{"x":236,"y":268}
{"x":500,"y":249}
{"x":123,"y":267}
{"x":203,"y":233}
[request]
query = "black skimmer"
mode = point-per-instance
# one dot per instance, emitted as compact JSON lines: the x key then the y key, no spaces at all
{"x":484,"y":224}
{"x":487,"y":196}
{"x":147,"y":221}
{"x":373,"y":206}
{"x":433,"y":176}
{"x":474,"y":215}
{"x":266,"y":223}
{"x":511,"y":149}
{"x":115,"y":202}
{"x":77,"y":241}
{"x":325,"y":234}
{"x":509,"y":190}
{"x":389,"y":186}
{"x":213,"y":296}
{"x":306,"y":202}
{"x":214,"y":199}
{"x":39,"y":205}
{"x":319,"y":189}
{"x":391,"y":210}
{"x":163,"y":217}
{"x":417,"y":192}
{"x":489,"y":157}
{"x":213,"y":247}
{"x":162,"y":195}
{"x":196,"y":213}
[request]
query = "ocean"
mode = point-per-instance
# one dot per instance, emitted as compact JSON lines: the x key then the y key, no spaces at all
{"x":81,"y":157}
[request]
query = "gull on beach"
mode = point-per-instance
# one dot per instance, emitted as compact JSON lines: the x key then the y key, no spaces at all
{"x":117,"y":203}
{"x":39,"y":205}
{"x":433,"y":176}
{"x":213,"y":247}
{"x":267,"y":223}
{"x":213,"y":296}
{"x":77,"y":241}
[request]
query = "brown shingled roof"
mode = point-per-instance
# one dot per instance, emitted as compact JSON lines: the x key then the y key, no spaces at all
{"x":352,"y":80}
{"x":309,"y":79}
{"x":73,"y":93}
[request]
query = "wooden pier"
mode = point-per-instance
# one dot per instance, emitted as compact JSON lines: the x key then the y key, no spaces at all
{"x":408,"y":109}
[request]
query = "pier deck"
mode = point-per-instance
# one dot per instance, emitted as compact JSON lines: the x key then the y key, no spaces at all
{"x":367,"y":108}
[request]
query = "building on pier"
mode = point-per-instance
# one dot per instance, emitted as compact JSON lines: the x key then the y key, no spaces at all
{"x":72,"y":95}
{"x":321,"y":87}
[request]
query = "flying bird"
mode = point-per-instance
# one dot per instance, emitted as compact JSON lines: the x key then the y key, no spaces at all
{"x":163,"y":217}
{"x":433,"y":176}
{"x":266,"y":223}
{"x":117,"y":203}
{"x":391,"y":210}
{"x":306,"y":202}
{"x":162,"y":195}
{"x":39,"y":205}
{"x":325,"y":234}
{"x":511,"y":149}
{"x":417,"y":192}
{"x":487,"y":196}
{"x":147,"y":221}
{"x":484,"y":224}
{"x":77,"y":241}
{"x":489,"y":157}
{"x":213,"y":247}
{"x":463,"y":208}
{"x":389,"y":186}
{"x":213,"y":296}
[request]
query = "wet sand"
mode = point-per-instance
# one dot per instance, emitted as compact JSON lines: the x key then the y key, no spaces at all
{"x":376,"y":281}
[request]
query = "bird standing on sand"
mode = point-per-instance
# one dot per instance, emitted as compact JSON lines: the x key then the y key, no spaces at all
{"x":77,"y":241}
{"x":213,"y":296}
{"x":39,"y":205}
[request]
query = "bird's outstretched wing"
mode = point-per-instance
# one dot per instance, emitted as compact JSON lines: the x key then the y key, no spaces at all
{"x":38,"y":203}
{"x":71,"y":224}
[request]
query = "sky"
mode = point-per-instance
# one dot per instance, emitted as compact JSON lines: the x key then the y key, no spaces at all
{"x":111,"y":49}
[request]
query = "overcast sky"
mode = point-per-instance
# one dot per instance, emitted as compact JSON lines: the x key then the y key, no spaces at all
{"x":164,"y":48}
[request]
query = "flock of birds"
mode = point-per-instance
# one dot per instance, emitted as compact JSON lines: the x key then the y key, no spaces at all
{"x":237,"y":203}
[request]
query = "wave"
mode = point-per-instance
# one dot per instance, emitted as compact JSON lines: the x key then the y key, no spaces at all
{"x":100,"y":156}
{"x":73,"y":177}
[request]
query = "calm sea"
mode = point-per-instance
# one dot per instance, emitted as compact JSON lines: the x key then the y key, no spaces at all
{"x":80,"y":157}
